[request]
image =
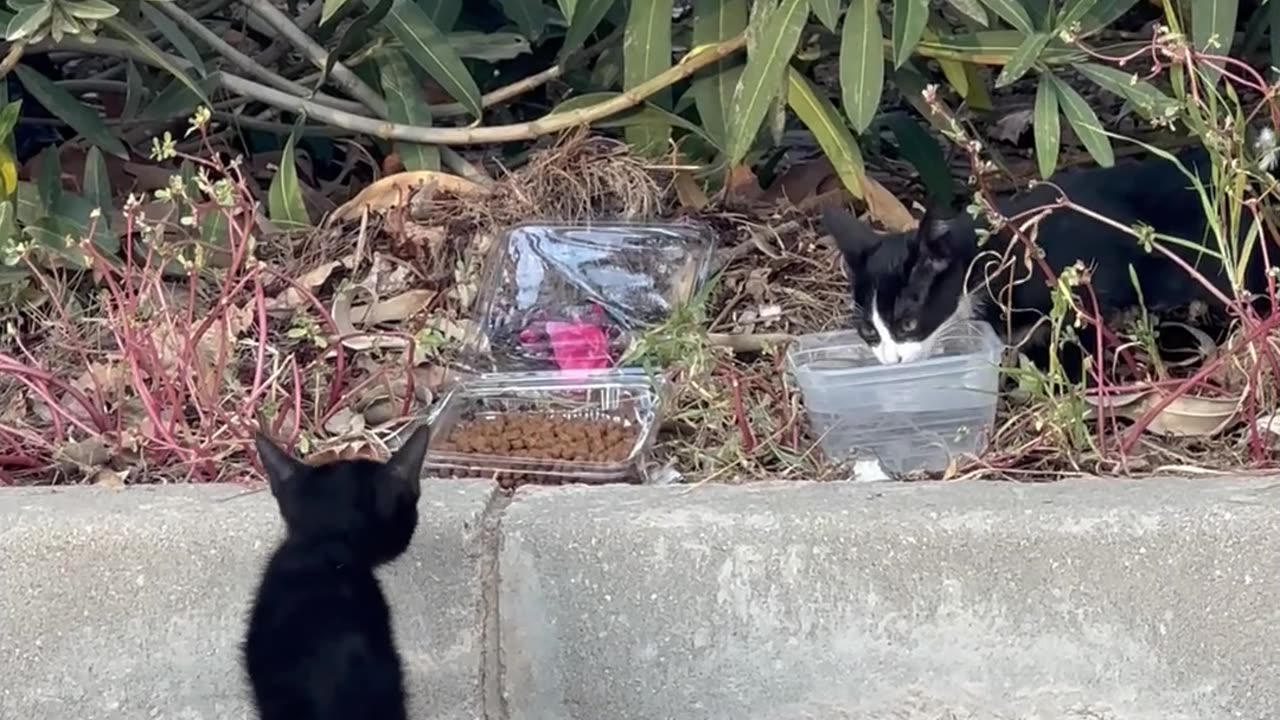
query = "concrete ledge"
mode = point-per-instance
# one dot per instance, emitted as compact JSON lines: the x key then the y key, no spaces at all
{"x":1153,"y":599}
{"x":1124,"y":600}
{"x":132,"y":604}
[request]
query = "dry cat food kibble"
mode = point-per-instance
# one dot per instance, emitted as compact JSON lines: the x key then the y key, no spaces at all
{"x":560,"y":441}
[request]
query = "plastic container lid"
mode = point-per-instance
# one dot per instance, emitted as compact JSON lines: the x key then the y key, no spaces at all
{"x":570,"y":297}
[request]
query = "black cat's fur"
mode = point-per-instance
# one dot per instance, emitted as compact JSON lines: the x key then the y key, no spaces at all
{"x":910,"y":286}
{"x":319,"y":644}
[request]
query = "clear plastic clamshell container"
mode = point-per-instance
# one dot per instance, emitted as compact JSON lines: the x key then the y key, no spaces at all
{"x":547,"y":428}
{"x":913,"y":416}
{"x":571,"y":297}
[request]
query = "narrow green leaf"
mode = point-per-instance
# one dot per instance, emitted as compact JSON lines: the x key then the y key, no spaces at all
{"x":587,"y":15}
{"x":174,"y":34}
{"x":1084,"y":122}
{"x":646,"y":51}
{"x":833,"y":136}
{"x":1147,"y":99}
{"x":400,"y":86}
{"x":1012,"y":12}
{"x":1047,"y":128}
{"x":925,"y":155}
{"x":1023,"y":58}
{"x":713,"y":87}
{"x":909,"y":20}
{"x":971,"y":9}
{"x":97,"y":185}
{"x":490,"y":47}
{"x":285,"y":205}
{"x":828,"y":12}
{"x":444,"y":13}
{"x":1040,"y":12}
{"x":89,"y":9}
{"x":764,"y":75}
{"x":135,"y":89}
{"x":642,"y":115}
{"x":1074,"y":11}
{"x":157,"y":57}
{"x":432,"y":52}
{"x":70,"y":110}
{"x":1213,"y":26}
{"x":353,"y":37}
{"x":176,"y":101}
{"x":1104,"y":13}
{"x":9,"y":119}
{"x":530,"y":17}
{"x":331,"y":8}
{"x":861,"y":63}
{"x":27,"y":20}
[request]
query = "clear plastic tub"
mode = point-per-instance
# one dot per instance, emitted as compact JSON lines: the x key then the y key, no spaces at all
{"x":910,"y":417}
{"x":623,"y":406}
{"x":562,"y":297}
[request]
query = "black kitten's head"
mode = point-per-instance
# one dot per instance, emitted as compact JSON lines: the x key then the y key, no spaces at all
{"x":907,"y":287}
{"x":368,"y":506}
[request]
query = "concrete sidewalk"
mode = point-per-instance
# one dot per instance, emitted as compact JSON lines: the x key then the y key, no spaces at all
{"x":1083,"y":599}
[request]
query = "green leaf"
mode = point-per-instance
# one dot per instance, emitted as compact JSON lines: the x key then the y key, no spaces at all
{"x":1023,"y":58}
{"x":432,"y":52}
{"x":1213,"y":26}
{"x":971,"y":9}
{"x":174,"y":34}
{"x":1047,"y":128}
{"x":97,"y":185}
{"x":354,"y":37}
{"x":828,"y":12}
{"x":587,"y":15}
{"x":861,"y":63}
{"x":1040,"y":11}
{"x":713,"y":87}
{"x":529,"y":16}
{"x":27,"y":20}
{"x":49,"y":181}
{"x":764,"y":75}
{"x":70,"y":110}
{"x":925,"y":154}
{"x":8,"y":171}
{"x":909,"y":20}
{"x":331,"y":8}
{"x":1104,"y":13}
{"x":405,"y":105}
{"x":444,"y":13}
{"x":1012,"y":12}
{"x":1146,"y":98}
{"x":644,"y":114}
{"x":285,"y":206}
{"x":1074,"y":11}
{"x":176,"y":100}
{"x":491,"y":47}
{"x":9,"y":120}
{"x":833,"y":136}
{"x":646,"y":51}
{"x":156,"y":56}
{"x":89,"y":9}
{"x":135,"y":89}
{"x":1084,"y":122}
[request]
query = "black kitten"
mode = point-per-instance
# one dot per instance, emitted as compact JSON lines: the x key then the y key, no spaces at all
{"x":319,"y":645}
{"x":909,"y":287}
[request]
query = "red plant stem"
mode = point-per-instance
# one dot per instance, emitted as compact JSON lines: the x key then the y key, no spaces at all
{"x":260,"y":301}
{"x":24,"y":372}
{"x":335,"y":385}
{"x":739,"y":413}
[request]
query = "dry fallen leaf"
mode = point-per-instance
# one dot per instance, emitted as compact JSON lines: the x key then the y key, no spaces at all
{"x":400,"y":307}
{"x":1011,"y":127}
{"x":884,"y":207}
{"x":110,"y":478}
{"x":394,"y":191}
{"x":292,"y":298}
{"x":688,"y":192}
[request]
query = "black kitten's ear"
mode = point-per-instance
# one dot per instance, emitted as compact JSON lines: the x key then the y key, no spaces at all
{"x":933,"y":233}
{"x":853,"y":237}
{"x":279,"y":465}
{"x":406,"y":462}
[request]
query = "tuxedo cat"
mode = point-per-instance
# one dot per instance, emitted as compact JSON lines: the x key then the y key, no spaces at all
{"x":319,"y":643}
{"x":909,"y":287}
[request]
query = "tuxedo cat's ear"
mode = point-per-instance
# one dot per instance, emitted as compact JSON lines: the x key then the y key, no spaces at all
{"x":934,"y":236}
{"x":853,"y":237}
{"x":279,"y":465}
{"x":406,"y":462}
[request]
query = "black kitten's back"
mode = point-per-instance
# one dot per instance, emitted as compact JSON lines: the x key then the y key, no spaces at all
{"x":319,"y":644}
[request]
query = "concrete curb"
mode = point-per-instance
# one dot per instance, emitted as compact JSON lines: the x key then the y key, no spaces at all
{"x":1082,"y":599}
